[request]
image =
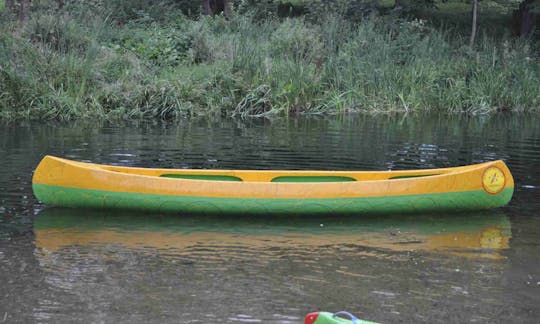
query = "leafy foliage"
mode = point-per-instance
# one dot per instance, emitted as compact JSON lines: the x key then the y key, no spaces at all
{"x":161,"y":46}
{"x":60,"y":33}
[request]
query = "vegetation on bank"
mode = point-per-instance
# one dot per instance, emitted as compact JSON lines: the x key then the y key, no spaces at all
{"x":147,"y":59}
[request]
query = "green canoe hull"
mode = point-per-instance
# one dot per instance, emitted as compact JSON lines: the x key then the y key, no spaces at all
{"x":98,"y":199}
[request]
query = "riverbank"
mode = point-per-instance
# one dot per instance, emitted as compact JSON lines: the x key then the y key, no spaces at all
{"x":85,"y":61}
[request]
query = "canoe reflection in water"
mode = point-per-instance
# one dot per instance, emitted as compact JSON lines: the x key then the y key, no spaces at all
{"x":481,"y":235}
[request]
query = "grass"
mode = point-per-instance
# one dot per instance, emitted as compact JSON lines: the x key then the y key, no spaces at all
{"x":75,"y":64}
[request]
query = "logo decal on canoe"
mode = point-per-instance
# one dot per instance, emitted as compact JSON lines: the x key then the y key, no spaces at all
{"x":493,"y":180}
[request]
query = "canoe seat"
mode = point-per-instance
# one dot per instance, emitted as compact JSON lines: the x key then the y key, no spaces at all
{"x":312,"y":179}
{"x":210,"y":177}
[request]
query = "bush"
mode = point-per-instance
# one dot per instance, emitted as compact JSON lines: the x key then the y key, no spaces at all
{"x":58,"y":32}
{"x":259,"y":9}
{"x":162,"y":11}
{"x":160,"y":46}
{"x":296,"y":40}
{"x":354,"y":10}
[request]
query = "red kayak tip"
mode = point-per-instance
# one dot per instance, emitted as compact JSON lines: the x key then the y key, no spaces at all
{"x":311,"y":318}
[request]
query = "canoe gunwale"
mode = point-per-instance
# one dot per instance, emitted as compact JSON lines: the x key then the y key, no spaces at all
{"x":407,"y":174}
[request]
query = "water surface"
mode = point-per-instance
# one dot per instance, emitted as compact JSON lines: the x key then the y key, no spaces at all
{"x":63,"y":265}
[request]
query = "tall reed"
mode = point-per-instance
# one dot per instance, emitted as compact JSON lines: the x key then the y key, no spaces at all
{"x":66,"y":65}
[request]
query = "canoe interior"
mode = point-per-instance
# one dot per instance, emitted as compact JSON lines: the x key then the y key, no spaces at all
{"x":312,"y":179}
{"x":275,"y":176}
{"x":218,"y":177}
{"x":209,"y":177}
{"x":297,"y":178}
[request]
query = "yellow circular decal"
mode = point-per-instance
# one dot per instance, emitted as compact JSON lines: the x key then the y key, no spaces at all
{"x":493,"y":180}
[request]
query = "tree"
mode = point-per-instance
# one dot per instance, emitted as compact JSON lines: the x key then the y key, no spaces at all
{"x":10,"y":4}
{"x":211,"y":7}
{"x":411,"y":4}
{"x":24,"y":10}
{"x":206,"y":7}
{"x":474,"y":22}
{"x":525,"y":18}
{"x":21,"y":8}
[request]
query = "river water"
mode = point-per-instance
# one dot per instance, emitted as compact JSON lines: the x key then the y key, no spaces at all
{"x":63,"y":265}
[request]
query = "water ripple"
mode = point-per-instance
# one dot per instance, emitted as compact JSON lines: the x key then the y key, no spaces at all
{"x":128,"y":269}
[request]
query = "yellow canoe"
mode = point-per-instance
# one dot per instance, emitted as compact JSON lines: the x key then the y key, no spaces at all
{"x":67,"y":183}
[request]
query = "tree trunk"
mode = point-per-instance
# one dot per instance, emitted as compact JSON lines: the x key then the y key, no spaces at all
{"x":21,"y":8}
{"x":10,"y":5}
{"x":227,"y":8}
{"x":206,"y":7}
{"x":474,"y":22}
{"x":25,"y":10}
{"x":524,"y":19}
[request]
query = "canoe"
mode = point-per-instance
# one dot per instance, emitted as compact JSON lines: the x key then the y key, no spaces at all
{"x":66,"y":183}
{"x":337,"y":318}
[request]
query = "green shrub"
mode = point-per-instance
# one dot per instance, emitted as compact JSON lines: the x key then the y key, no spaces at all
{"x":259,"y":9}
{"x":59,"y":32}
{"x":148,"y":10}
{"x":161,"y":46}
{"x":354,"y":10}
{"x":296,"y":40}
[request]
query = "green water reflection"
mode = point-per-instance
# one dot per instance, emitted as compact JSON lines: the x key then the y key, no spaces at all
{"x":482,"y":235}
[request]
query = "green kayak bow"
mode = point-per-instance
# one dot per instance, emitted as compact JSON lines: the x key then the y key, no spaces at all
{"x":337,"y":318}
